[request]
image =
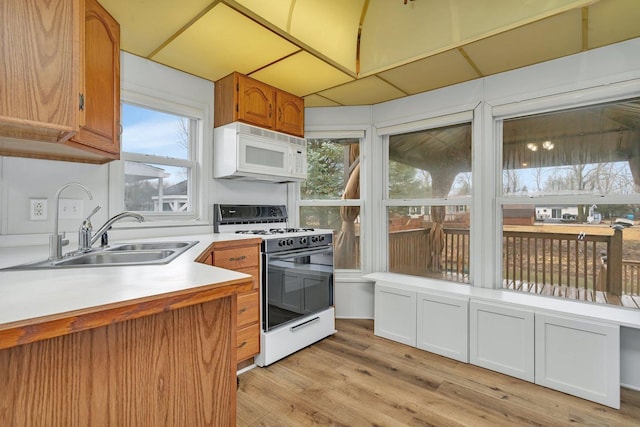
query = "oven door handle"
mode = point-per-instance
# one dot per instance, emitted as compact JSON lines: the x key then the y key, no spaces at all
{"x":307,"y":252}
{"x":303,"y":324}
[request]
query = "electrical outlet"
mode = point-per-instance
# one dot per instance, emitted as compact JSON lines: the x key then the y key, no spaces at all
{"x":70,"y":209}
{"x":38,"y":209}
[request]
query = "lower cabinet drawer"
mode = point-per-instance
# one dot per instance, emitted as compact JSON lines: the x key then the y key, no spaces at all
{"x":248,"y":341}
{"x":248,"y":308}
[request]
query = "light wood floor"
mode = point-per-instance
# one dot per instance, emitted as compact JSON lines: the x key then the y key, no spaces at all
{"x":356,"y":379}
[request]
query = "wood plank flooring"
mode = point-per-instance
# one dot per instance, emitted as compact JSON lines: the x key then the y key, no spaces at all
{"x":356,"y":379}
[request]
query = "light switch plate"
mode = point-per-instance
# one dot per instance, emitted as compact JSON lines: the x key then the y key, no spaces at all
{"x":70,"y":209}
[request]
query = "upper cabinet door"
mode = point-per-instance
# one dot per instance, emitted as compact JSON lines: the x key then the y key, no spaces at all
{"x":101,"y":128}
{"x":40,"y":74}
{"x":256,"y":102}
{"x":289,"y":114}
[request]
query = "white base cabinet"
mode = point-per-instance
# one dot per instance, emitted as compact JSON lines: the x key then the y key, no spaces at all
{"x":431,"y":322}
{"x":579,"y":357}
{"x":502,"y":339}
{"x":395,"y":314}
{"x":443,"y":325}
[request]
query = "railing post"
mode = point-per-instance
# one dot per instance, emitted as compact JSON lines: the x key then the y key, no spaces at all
{"x":614,"y":264}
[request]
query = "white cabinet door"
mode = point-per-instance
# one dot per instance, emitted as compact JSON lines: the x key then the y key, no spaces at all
{"x":443,"y":325}
{"x":579,"y":357}
{"x":395,"y":314}
{"x":501,"y":338}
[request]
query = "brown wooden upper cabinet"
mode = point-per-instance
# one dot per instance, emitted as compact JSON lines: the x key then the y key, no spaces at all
{"x":241,"y":98}
{"x":60,"y":81}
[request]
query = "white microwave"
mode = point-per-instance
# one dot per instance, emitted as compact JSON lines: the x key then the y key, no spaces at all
{"x":243,"y":151}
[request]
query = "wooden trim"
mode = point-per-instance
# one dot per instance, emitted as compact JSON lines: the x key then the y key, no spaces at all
{"x":19,"y":333}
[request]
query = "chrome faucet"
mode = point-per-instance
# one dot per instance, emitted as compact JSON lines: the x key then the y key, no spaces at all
{"x":107,"y":225}
{"x":56,"y":241}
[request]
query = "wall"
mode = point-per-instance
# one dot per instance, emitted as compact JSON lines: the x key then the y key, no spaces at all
{"x":22,"y":179}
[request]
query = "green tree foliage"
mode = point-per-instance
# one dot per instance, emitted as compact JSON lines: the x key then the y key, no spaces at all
{"x":325,"y":174}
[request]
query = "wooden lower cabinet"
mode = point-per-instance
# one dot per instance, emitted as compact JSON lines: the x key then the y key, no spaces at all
{"x":174,"y":368}
{"x":242,"y":256}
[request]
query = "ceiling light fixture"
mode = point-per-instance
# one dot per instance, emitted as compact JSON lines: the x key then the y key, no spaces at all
{"x":532,"y":146}
{"x":548,"y":145}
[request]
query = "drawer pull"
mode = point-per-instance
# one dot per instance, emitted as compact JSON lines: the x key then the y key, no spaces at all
{"x":240,"y":258}
{"x":242,"y":344}
{"x":242,"y":310}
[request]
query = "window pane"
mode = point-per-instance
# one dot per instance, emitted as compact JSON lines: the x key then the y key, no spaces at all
{"x":430,"y":163}
{"x":345,"y":223}
{"x":332,"y":164}
{"x":582,"y":252}
{"x":430,"y":241}
{"x":592,"y":150}
{"x":147,"y":131}
{"x":156,"y":188}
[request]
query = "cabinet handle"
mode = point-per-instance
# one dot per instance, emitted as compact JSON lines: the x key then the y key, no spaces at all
{"x":240,"y":258}
{"x":270,"y":110}
{"x":280,"y":114}
{"x":242,"y":344}
{"x":81,"y":102}
{"x":242,"y":310}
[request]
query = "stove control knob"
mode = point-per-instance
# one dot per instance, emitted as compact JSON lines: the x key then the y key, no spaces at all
{"x":281,"y":242}
{"x":314,"y":238}
{"x":321,"y":238}
{"x":303,"y":240}
{"x":289,"y":242}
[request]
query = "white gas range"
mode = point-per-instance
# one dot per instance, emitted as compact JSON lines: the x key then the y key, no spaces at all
{"x":297,"y":277}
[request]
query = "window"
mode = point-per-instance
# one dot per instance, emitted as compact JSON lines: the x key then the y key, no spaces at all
{"x":330,"y":196}
{"x":428,"y":202}
{"x":577,"y":238}
{"x":158,"y":149}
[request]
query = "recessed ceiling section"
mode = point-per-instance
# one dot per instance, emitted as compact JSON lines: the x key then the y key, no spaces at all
{"x":394,"y":34}
{"x":544,"y":40}
{"x":436,"y":71}
{"x":301,"y":74}
{"x":329,"y":27}
{"x":223,"y":41}
{"x":366,"y":91}
{"x":613,"y":21}
{"x":146,"y":24}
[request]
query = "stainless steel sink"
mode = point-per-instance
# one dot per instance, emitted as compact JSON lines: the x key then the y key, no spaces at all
{"x":147,"y":253}
{"x":149,"y":246}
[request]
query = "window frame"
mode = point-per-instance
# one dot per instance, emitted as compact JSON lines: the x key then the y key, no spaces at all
{"x":545,"y":104}
{"x":456,"y":118}
{"x":299,"y":202}
{"x":196,"y":113}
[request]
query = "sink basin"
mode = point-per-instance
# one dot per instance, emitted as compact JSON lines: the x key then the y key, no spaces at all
{"x":143,"y":253}
{"x":117,"y":258}
{"x":149,"y":246}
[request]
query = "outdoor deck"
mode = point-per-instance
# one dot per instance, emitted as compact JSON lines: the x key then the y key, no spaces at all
{"x":547,"y":261}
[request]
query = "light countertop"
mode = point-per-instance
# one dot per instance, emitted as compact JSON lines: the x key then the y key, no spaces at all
{"x":26,"y":295}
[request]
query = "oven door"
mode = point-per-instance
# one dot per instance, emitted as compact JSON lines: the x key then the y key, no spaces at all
{"x":296,"y":284}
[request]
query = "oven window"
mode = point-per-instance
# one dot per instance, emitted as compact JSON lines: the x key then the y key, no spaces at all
{"x":297,"y":285}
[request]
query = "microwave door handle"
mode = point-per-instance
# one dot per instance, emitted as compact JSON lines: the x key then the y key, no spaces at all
{"x":301,"y":253}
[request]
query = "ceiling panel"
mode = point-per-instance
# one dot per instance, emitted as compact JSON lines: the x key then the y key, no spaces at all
{"x":223,"y":41}
{"x":330,"y":27}
{"x":433,"y":72}
{"x":612,"y":21}
{"x":301,"y":74}
{"x":276,"y":12}
{"x":541,"y":41}
{"x":146,"y":24}
{"x":319,"y":101}
{"x":366,"y":91}
{"x":394,"y":33}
